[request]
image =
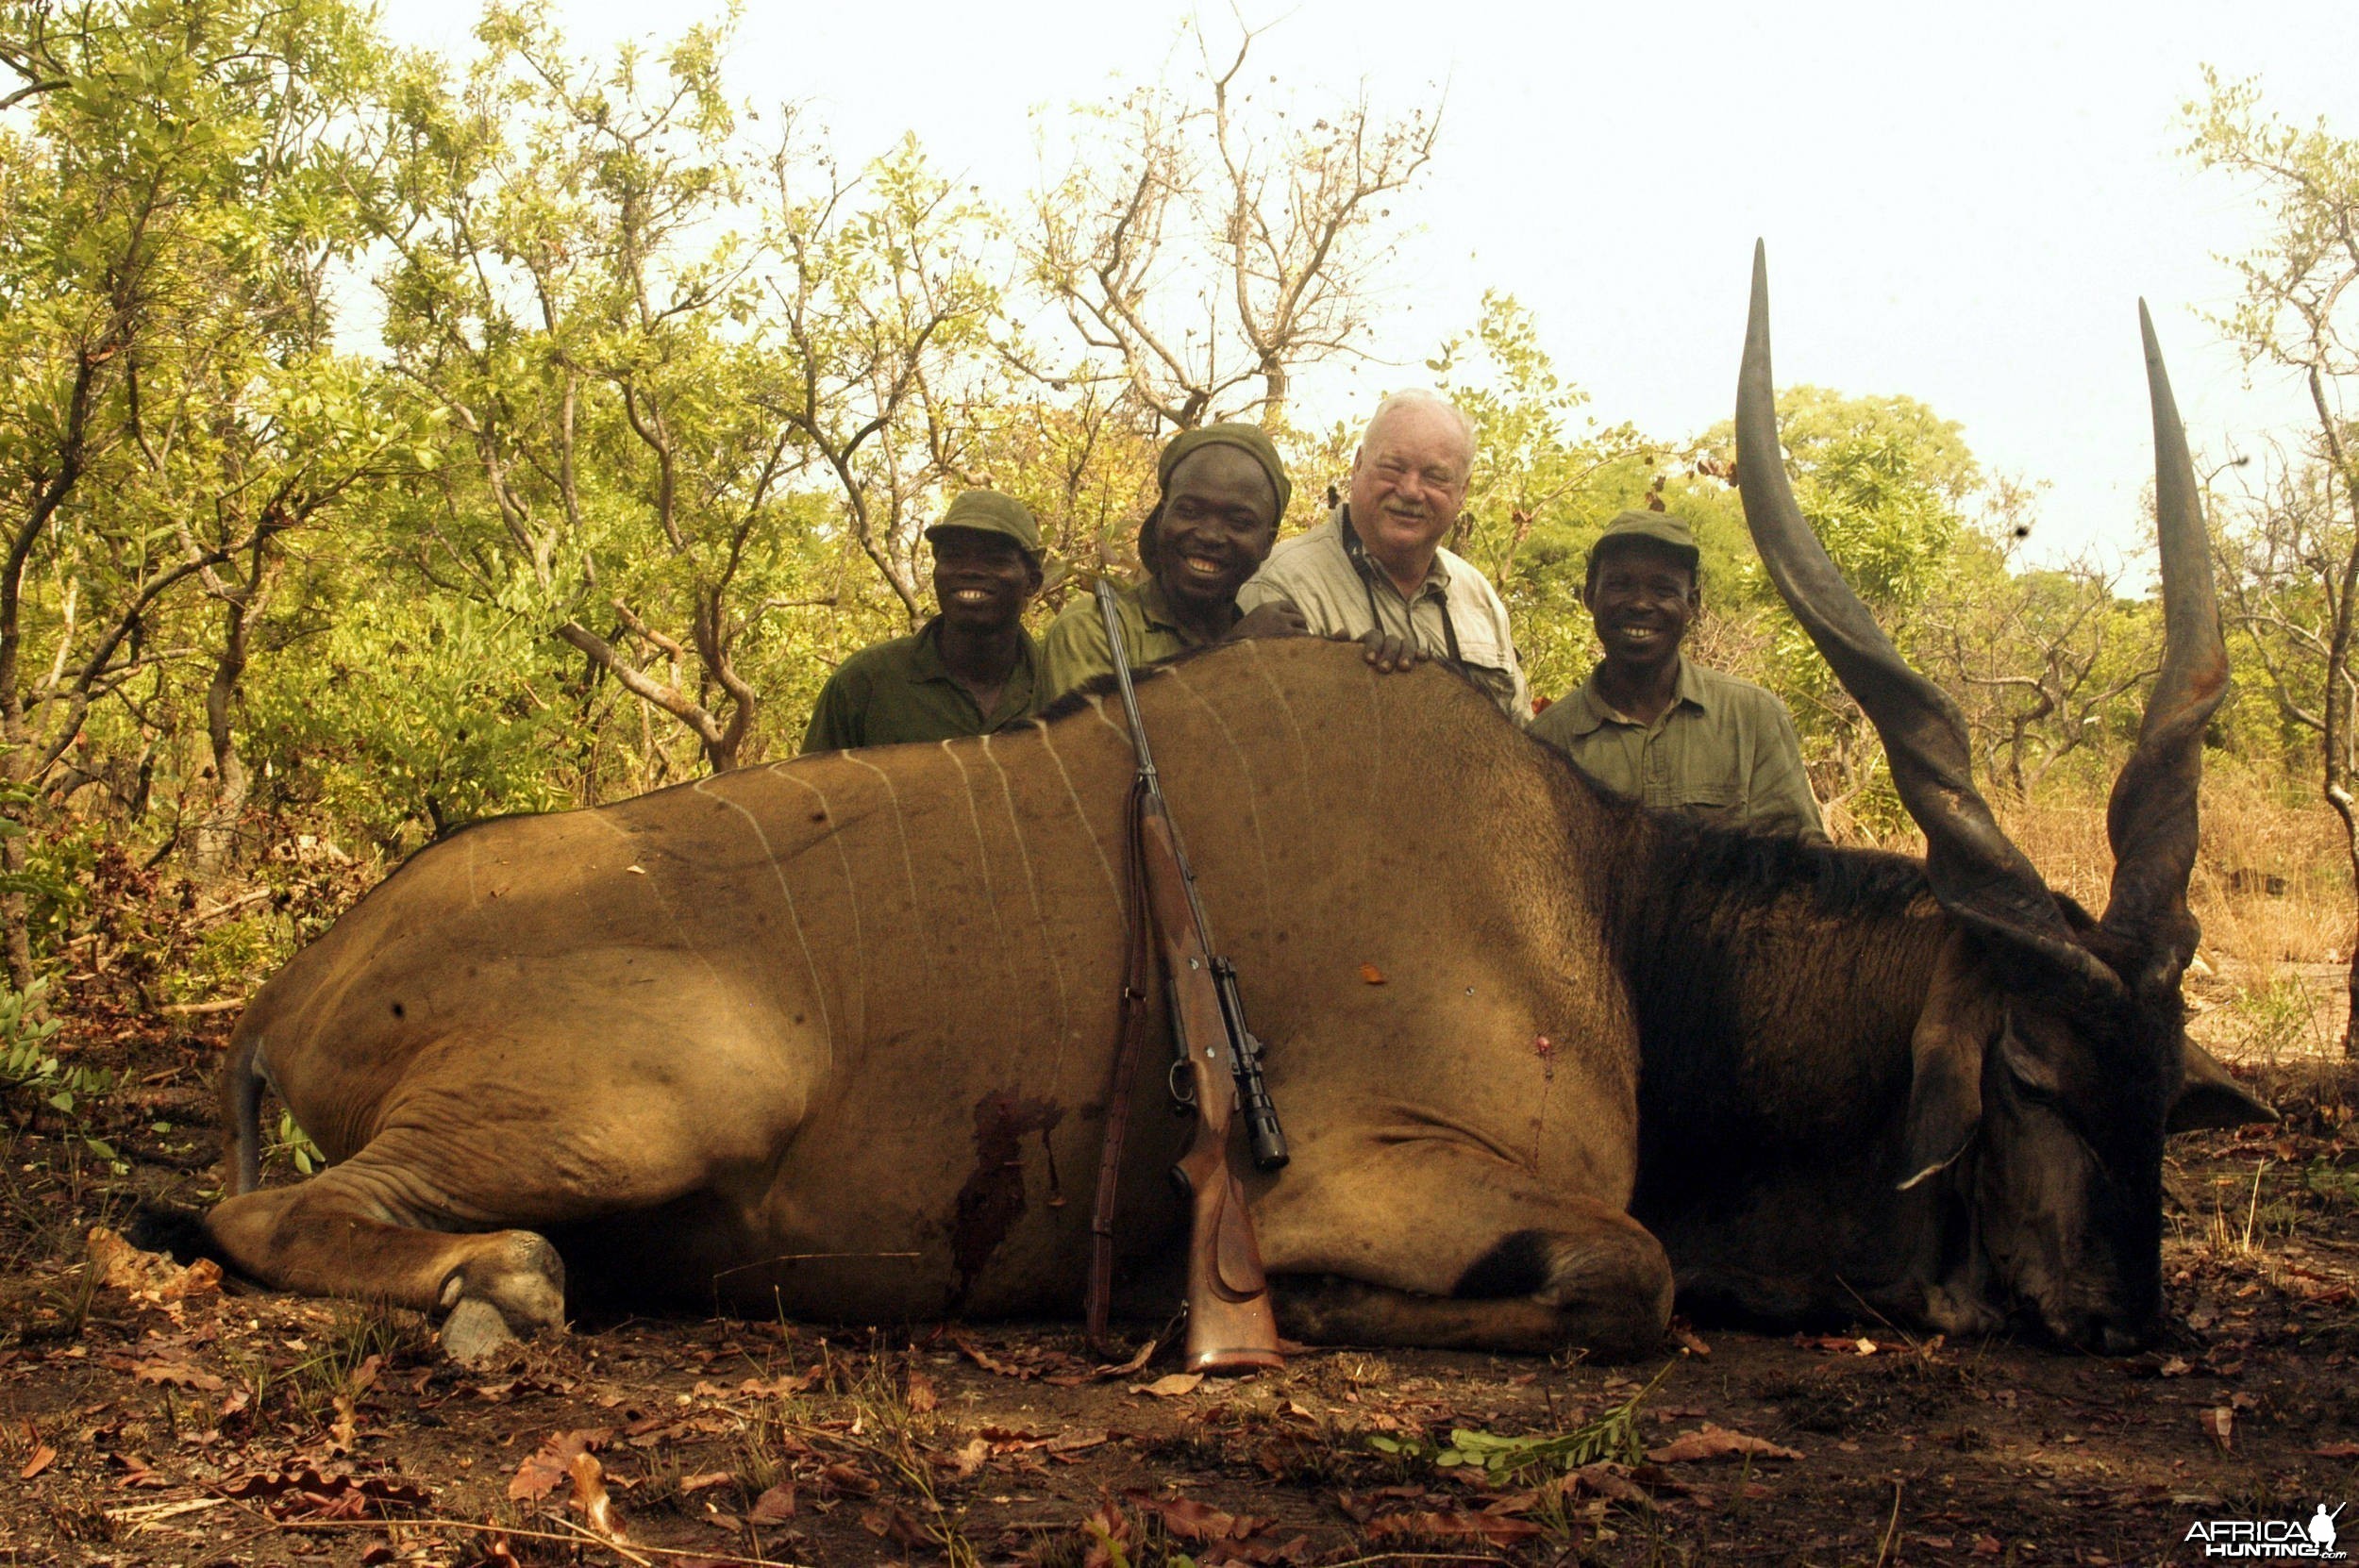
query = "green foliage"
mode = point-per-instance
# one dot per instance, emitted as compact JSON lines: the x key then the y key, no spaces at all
{"x":1612,"y":1434}
{"x":2330,"y":1184}
{"x":1547,"y":480}
{"x":31,"y":1070}
{"x":292,"y":1142}
{"x":415,"y":717}
{"x":655,"y":396}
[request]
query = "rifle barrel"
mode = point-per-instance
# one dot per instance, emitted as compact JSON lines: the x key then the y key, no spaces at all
{"x":1148,"y":778}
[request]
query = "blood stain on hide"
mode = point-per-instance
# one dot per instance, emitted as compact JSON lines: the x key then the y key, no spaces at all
{"x":993,"y":1198}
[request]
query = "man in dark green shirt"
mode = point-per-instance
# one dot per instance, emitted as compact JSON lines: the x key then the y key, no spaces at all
{"x":1652,"y":724}
{"x":1223,"y":490}
{"x":971,"y":669}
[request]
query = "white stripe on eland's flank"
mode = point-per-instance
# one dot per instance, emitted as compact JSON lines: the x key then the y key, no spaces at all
{"x":1098,"y":706}
{"x":1252,"y":791}
{"x":982,"y":861}
{"x":818,"y":988}
{"x":852,"y":893}
{"x":1285,"y":712}
{"x":900,"y":831}
{"x":663,"y":899}
{"x":1114,"y":883}
{"x":1031,"y":889}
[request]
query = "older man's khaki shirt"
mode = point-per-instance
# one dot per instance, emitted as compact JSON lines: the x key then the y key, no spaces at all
{"x":1724,"y":749}
{"x":1455,"y":612}
{"x":1074,"y":647}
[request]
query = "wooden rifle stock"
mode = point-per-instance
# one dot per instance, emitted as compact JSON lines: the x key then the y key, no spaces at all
{"x":1230,"y":1327}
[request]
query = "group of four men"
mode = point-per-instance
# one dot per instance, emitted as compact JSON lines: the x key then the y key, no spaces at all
{"x":1647,"y":722}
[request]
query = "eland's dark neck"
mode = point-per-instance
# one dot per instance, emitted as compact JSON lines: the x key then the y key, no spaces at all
{"x":1777,"y":985}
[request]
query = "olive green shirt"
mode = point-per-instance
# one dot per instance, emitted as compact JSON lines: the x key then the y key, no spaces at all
{"x":901,"y":691}
{"x":1074,"y":647}
{"x":1724,"y":749}
{"x":1455,"y":613}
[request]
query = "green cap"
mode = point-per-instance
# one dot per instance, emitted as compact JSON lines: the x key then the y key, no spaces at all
{"x":1249,"y":438}
{"x":987,"y":512}
{"x":1660,"y":527}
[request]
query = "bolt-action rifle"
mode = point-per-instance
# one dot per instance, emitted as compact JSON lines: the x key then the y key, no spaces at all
{"x":1229,"y":1324}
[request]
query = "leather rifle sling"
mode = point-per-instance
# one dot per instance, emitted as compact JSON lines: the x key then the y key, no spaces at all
{"x":1131,"y":1041}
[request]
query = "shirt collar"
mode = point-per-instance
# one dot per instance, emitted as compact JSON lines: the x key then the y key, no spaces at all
{"x":1691,"y":686}
{"x":1436,"y":575}
{"x":1155,"y":609}
{"x":1589,"y":709}
{"x":926,"y":655}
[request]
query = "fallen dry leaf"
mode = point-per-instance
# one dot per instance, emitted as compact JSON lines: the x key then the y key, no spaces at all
{"x":1193,"y":1521}
{"x":1360,"y":1507}
{"x":2338,"y":1451}
{"x":177,"y":1375}
{"x":983,"y":1358}
{"x":1138,"y":1359}
{"x":890,"y":1523}
{"x":2177,"y":1366}
{"x":1718,"y":1443}
{"x":538,"y":1475}
{"x":1610,"y":1481}
{"x":705,"y":1481}
{"x":774,"y":1388}
{"x":1374,"y":976}
{"x":2219,"y":1425}
{"x":591,"y":1498}
{"x":1170,"y":1386}
{"x":1498,"y":1530}
{"x":968,"y":1460}
{"x":44,"y":1457}
{"x":844,"y":1477}
{"x":774,"y":1507}
{"x":305,"y":1491}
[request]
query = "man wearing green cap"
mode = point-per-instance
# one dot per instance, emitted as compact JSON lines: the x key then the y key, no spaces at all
{"x":971,"y":669}
{"x":1650,"y":724}
{"x":1222,"y":491}
{"x":1376,"y":573}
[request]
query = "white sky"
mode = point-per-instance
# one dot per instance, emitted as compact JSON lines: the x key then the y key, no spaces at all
{"x":1962,"y":203}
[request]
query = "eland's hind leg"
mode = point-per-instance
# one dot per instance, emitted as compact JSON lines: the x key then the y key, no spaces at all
{"x":336,"y":1235}
{"x":487,"y":1138}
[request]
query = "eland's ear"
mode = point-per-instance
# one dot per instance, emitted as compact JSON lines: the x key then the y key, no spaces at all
{"x":1946,"y":1092}
{"x":2208,"y":1097}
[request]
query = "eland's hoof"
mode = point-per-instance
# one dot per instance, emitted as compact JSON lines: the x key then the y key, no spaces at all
{"x":475,"y":1331}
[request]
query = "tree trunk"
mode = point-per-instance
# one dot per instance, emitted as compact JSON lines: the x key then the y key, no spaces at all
{"x":17,"y":942}
{"x":2350,"y":1002}
{"x":2351,"y":980}
{"x":1276,"y":385}
{"x":216,"y":835}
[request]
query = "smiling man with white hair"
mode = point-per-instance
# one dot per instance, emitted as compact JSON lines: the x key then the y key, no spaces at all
{"x":1376,"y":572}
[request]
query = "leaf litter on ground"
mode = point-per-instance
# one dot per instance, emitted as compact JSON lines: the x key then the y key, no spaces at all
{"x":1612,"y":1435}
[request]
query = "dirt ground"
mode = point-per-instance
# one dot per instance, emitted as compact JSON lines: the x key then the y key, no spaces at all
{"x":147,"y":1416}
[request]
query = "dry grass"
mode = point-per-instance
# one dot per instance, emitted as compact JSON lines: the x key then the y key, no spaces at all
{"x":2273,"y":888}
{"x":2271,"y":884}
